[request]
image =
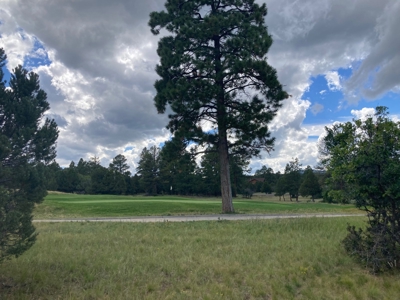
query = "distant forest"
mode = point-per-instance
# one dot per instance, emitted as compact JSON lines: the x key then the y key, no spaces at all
{"x":173,"y":170}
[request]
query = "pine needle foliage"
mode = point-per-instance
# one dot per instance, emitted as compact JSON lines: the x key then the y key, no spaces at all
{"x":27,"y":143}
{"x":363,"y":158}
{"x":214,"y":73}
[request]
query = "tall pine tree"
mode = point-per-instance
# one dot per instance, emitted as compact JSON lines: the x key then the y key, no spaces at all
{"x":27,"y":145}
{"x":214,"y":71}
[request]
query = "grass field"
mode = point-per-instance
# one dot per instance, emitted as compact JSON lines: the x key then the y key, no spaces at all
{"x":274,"y":259}
{"x":71,"y":205}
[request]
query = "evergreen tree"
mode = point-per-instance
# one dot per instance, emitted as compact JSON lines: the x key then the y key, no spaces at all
{"x":281,"y":187}
{"x":310,"y":185}
{"x":214,"y":59}
{"x":119,"y":165}
{"x":135,"y":185}
{"x":261,"y":172}
{"x":83,"y":167}
{"x":266,"y":188}
{"x":68,"y":180}
{"x":100,"y":178}
{"x":210,"y":173}
{"x":114,"y":182}
{"x":293,"y":178}
{"x":94,"y":162}
{"x":269,"y":179}
{"x":177,"y":168}
{"x":27,"y":144}
{"x":148,"y":169}
{"x":210,"y":184}
{"x":363,"y":159}
{"x":50,"y":174}
{"x":131,"y":187}
{"x":84,"y":185}
{"x":239,"y":166}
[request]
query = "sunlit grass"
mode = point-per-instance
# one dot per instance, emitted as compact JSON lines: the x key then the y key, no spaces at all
{"x":72,"y":205}
{"x":274,"y":259}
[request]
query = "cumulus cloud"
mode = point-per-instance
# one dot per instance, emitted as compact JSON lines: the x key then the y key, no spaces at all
{"x":364,"y":113}
{"x":17,"y":42}
{"x":312,"y":39}
{"x":102,"y":56}
{"x":100,"y":79}
{"x":379,"y":72}
{"x":333,"y":80}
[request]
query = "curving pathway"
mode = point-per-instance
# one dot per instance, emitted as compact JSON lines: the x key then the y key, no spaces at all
{"x":220,"y":217}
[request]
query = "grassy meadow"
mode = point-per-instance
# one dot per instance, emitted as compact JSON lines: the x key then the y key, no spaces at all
{"x":58,"y":205}
{"x":269,"y":259}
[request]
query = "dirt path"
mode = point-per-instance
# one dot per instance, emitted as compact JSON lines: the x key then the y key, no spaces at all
{"x":233,"y":217}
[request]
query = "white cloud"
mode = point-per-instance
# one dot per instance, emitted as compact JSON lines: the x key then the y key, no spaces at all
{"x":100,"y":81}
{"x":15,"y":41}
{"x":380,"y":70}
{"x":364,"y":113}
{"x":333,"y":80}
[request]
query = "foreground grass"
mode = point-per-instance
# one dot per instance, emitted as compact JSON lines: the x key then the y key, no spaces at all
{"x":72,"y":205}
{"x":275,"y":259}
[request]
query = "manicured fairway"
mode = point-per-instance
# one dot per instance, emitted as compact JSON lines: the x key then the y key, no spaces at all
{"x":275,"y":259}
{"x":71,"y":205}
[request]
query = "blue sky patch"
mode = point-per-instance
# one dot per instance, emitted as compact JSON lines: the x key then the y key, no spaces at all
{"x":37,"y":57}
{"x":129,"y":148}
{"x":312,"y":138}
{"x":7,"y":76}
{"x":329,"y":105}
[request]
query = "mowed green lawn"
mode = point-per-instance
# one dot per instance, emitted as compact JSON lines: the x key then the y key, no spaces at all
{"x":259,"y":259}
{"x":58,"y":205}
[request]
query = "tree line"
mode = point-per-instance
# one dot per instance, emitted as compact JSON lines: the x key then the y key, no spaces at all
{"x":172,"y":169}
{"x":168,"y":170}
{"x":294,"y":181}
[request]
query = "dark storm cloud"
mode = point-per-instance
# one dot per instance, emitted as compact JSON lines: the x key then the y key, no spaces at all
{"x":86,"y":34}
{"x":311,"y":38}
{"x":104,"y":74}
{"x":383,"y":62}
{"x":104,"y":58}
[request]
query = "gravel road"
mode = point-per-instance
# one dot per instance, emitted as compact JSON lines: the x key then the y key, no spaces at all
{"x":222,"y":217}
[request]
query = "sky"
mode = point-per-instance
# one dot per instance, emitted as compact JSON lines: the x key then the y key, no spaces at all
{"x":96,"y":60}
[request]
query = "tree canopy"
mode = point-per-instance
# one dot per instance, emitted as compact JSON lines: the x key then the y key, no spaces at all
{"x":27,"y":142}
{"x":119,"y":165}
{"x":293,"y":178}
{"x":149,"y":169}
{"x":363,"y":159}
{"x":216,"y":79}
{"x":310,"y":185}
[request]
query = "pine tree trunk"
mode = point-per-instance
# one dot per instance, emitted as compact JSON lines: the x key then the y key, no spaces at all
{"x":226,"y":190}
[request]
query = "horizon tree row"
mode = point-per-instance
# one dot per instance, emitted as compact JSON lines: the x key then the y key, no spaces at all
{"x":167,"y":170}
{"x":173,"y":170}
{"x":295,"y":181}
